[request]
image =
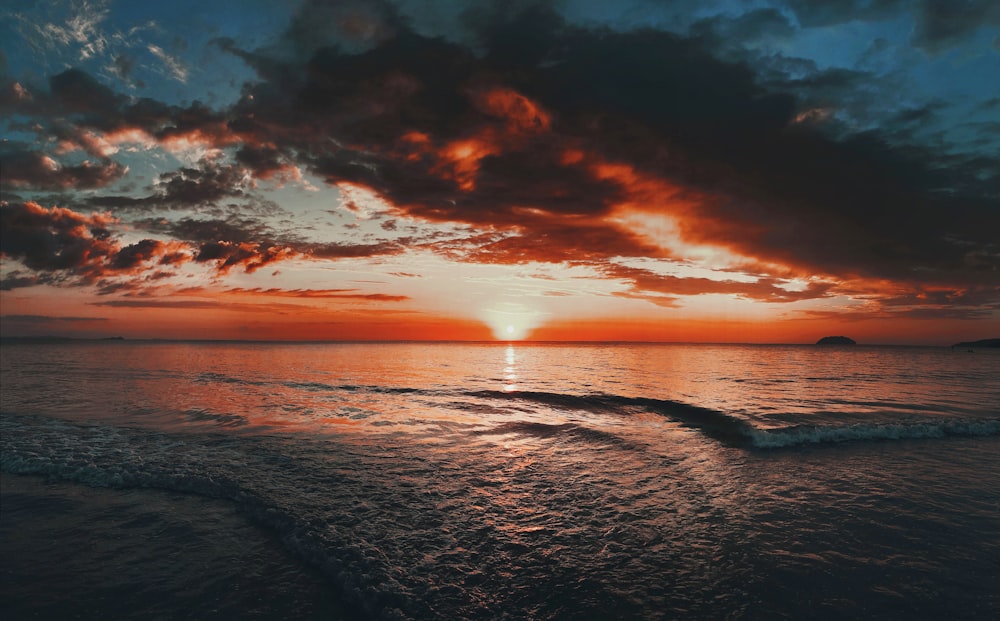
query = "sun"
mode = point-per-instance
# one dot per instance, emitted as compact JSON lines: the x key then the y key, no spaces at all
{"x":511,"y":321}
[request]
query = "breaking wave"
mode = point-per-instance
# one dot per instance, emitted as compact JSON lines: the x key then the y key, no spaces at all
{"x":739,"y":432}
{"x":808,"y":434}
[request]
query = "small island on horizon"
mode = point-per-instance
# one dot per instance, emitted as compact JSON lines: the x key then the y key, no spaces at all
{"x":836,"y":340}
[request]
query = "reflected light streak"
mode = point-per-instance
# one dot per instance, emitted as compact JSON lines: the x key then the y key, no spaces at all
{"x":510,"y":371}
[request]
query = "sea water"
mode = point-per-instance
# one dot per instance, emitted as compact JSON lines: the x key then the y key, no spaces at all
{"x":499,"y":481}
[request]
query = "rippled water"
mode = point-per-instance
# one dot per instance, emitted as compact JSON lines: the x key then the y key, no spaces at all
{"x":556,"y":481}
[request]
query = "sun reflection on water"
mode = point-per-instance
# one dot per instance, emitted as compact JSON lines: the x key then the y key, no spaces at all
{"x":510,"y":371}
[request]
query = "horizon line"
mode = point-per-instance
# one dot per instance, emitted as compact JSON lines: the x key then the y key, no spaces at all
{"x":118,"y":339}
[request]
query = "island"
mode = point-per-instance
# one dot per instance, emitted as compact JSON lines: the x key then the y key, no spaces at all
{"x":979,"y":343}
{"x":836,"y":340}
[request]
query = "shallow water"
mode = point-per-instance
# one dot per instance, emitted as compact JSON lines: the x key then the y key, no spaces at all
{"x":553,"y":481}
{"x":74,"y":552}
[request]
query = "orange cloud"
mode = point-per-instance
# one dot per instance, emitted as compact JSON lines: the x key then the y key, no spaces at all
{"x":521,"y":113}
{"x":459,"y":160}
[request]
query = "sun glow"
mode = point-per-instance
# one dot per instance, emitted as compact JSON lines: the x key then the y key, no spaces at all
{"x":514,"y":323}
{"x":512,"y":333}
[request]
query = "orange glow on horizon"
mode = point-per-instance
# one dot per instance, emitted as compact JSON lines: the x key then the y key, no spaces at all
{"x":310,"y":324}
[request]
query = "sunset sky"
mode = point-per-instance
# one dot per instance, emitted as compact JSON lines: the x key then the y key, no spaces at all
{"x":654,"y":170}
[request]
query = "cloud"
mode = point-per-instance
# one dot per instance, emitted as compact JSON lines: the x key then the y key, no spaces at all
{"x":541,"y":139}
{"x":756,"y":26}
{"x":81,"y":29}
{"x":208,"y":187}
{"x":33,"y":170}
{"x":175,"y":68}
{"x":227,"y":299}
{"x":279,"y":309}
{"x":56,"y":239}
{"x":513,"y":140}
{"x":66,"y":247}
{"x":317,"y":294}
{"x":667,"y":287}
{"x":251,"y":256}
{"x":921,"y":312}
{"x":35,"y":319}
{"x":250,"y":244}
{"x":945,"y":23}
{"x":938,"y":24}
{"x":149,"y":251}
{"x":833,"y":12}
{"x":17,"y":279}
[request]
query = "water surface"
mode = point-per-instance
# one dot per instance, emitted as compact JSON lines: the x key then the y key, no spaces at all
{"x":555,"y":481}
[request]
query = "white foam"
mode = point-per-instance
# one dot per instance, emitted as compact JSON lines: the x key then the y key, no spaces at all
{"x":801,"y":434}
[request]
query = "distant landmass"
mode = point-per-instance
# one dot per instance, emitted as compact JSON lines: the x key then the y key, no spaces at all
{"x":836,"y":340}
{"x":979,"y":343}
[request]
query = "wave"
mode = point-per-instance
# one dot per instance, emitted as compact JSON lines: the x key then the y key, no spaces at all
{"x":713,"y":423}
{"x":543,"y":430}
{"x":211,"y":377}
{"x":224,"y":420}
{"x":742,"y":433}
{"x":799,"y":435}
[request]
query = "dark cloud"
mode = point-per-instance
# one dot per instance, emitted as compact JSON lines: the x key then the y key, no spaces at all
{"x":832,"y":12}
{"x":944,"y":23}
{"x":412,"y":119}
{"x":721,"y":32}
{"x":540,"y":134}
{"x":76,"y":108}
{"x":250,"y":244}
{"x":63,"y":246}
{"x":141,"y":252}
{"x":17,"y":279}
{"x":938,"y":24}
{"x":55,"y":239}
{"x":208,"y":183}
{"x":33,"y":170}
{"x":355,"y":24}
{"x":74,"y":90}
{"x":66,"y":247}
{"x":250,"y":256}
{"x":124,"y":65}
{"x":266,"y":162}
{"x":552,"y":240}
{"x":235,"y":230}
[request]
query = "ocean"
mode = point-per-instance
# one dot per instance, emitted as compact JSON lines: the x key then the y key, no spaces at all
{"x":210,"y":480}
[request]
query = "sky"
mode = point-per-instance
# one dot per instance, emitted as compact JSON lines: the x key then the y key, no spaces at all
{"x":645,"y":170}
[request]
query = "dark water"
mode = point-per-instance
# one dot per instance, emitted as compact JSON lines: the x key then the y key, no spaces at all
{"x":492,"y":481}
{"x":74,"y":552}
